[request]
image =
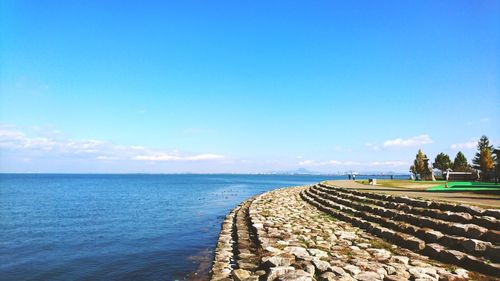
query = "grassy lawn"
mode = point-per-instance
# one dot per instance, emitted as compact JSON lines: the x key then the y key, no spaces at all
{"x":467,"y":186}
{"x":437,"y":185}
{"x":405,"y":183}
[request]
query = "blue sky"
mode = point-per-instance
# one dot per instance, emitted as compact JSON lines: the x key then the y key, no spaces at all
{"x":244,"y":86}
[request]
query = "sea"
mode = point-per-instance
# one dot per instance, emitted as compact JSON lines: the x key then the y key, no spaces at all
{"x":120,"y":227}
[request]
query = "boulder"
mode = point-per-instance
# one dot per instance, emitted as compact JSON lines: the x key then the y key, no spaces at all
{"x":433,"y":250}
{"x":475,"y":231}
{"x":240,"y":274}
{"x":493,"y":213}
{"x":475,"y":246}
{"x":432,"y":235}
{"x":400,"y":259}
{"x":352,"y":269}
{"x":458,"y":229}
{"x":327,"y":276}
{"x":298,"y":252}
{"x":492,"y":236}
{"x":337,"y":270}
{"x":367,"y":276}
{"x":451,"y":256}
{"x":284,"y":259}
{"x":395,"y":278}
{"x":321,"y":266}
{"x":318,"y":253}
{"x":278,"y":272}
{"x":297,"y":275}
{"x":380,"y":254}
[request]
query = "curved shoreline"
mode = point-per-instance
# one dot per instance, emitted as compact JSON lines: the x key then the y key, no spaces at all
{"x":320,"y":232}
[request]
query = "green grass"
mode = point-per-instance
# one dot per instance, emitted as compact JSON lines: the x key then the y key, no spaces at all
{"x":466,"y":186}
{"x":402,"y":183}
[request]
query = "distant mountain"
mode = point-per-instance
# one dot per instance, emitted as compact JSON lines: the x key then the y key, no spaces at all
{"x":299,"y":171}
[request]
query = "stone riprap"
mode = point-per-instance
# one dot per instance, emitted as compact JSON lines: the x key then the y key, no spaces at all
{"x":323,"y":233}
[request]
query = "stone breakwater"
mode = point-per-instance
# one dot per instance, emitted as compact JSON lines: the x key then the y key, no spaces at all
{"x":324,"y":233}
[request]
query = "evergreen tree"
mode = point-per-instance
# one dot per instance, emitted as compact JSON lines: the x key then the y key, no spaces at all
{"x":484,"y":160}
{"x":486,"y":163}
{"x":460,"y":163}
{"x":442,"y":162}
{"x":420,"y":163}
{"x":483,"y":143}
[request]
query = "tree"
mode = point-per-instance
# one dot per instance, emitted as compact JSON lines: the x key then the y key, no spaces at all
{"x":484,"y":160}
{"x":486,"y":163}
{"x":460,"y":163}
{"x":442,"y":162}
{"x":420,"y":165}
{"x":483,"y":143}
{"x":413,"y":170}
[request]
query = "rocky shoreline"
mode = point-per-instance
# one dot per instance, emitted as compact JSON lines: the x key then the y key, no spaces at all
{"x":321,"y":232}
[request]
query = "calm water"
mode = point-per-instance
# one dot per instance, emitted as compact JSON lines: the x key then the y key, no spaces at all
{"x":118,"y":227}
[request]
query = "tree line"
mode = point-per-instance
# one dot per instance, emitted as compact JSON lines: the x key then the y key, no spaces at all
{"x":486,"y":161}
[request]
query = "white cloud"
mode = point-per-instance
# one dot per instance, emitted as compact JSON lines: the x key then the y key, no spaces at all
{"x":464,"y":145}
{"x":107,"y":158}
{"x":372,"y":146}
{"x":167,"y":157}
{"x":19,"y":142}
{"x":410,"y":142}
{"x":327,"y":163}
{"x":307,"y":163}
{"x":388,"y":163}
